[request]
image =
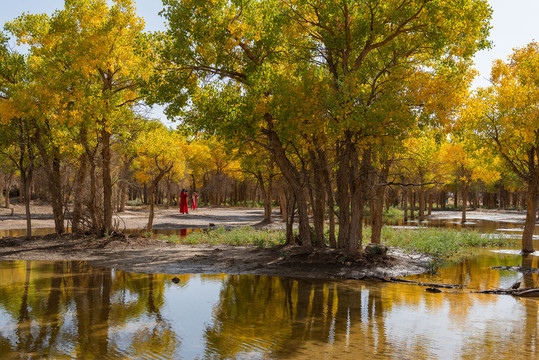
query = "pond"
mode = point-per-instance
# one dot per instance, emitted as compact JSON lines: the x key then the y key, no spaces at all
{"x":68,"y":310}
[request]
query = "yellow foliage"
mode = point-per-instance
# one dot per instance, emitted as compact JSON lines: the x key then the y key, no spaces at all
{"x":8,"y":111}
{"x":159,"y":151}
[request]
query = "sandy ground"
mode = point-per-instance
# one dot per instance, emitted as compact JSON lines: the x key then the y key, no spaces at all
{"x":145,"y":255}
{"x":137,"y":218}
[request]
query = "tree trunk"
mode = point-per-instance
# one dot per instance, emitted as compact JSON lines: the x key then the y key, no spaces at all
{"x":412,"y":204}
{"x":253,"y":196}
{"x":283,"y":202}
{"x":79,"y":186}
{"x":291,"y":208}
{"x":464,"y":202}
{"x":169,"y":192}
{"x":405,"y":203}
{"x":317,"y":199}
{"x":329,"y":194}
{"x":26,"y":178}
{"x":443,"y":198}
{"x":25,"y":165}
{"x":343,"y":195}
{"x":360,"y":174}
{"x":421,"y":203}
{"x":149,"y":225}
{"x":153,"y":187}
{"x":377,"y":210}
{"x":21,"y":192}
{"x":529,"y":226}
{"x":123,"y":183}
{"x":7,"y":188}
{"x":193,"y":183}
{"x":107,"y":182}
{"x":123,"y":195}
{"x":267,"y":194}
{"x":92,"y":207}
{"x":51,"y":164}
{"x":56,"y":196}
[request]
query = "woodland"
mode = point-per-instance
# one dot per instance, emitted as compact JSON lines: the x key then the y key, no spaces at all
{"x":328,"y":109}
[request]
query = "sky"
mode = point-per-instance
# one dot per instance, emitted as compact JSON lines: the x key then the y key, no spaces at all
{"x":514,"y":24}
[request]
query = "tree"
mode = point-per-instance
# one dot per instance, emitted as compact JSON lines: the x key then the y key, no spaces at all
{"x":300,"y":75}
{"x":101,"y":56}
{"x":257,"y":165}
{"x":17,"y":135}
{"x":159,"y":151}
{"x":235,"y":42}
{"x":504,"y":117}
{"x":372,"y":64}
{"x":466,"y":166}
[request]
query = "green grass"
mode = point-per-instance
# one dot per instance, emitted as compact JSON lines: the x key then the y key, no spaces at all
{"x":392,"y":213}
{"x":440,"y":243}
{"x":244,"y":235}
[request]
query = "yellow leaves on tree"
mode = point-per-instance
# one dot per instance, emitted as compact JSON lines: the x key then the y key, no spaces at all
{"x":159,"y":151}
{"x":419,"y":159}
{"x":7,"y":111}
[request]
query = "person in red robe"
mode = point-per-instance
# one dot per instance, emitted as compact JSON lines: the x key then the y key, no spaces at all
{"x":183,"y":202}
{"x":194,"y":200}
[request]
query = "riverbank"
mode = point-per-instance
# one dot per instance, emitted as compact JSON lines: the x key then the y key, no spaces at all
{"x":147,"y":255}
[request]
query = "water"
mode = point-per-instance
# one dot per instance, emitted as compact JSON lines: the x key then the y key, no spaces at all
{"x":68,"y":310}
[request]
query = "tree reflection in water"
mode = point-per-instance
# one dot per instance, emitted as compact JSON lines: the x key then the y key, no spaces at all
{"x":284,"y":315}
{"x":72,"y":310}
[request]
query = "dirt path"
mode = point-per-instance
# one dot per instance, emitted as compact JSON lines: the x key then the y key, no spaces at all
{"x":137,"y":218}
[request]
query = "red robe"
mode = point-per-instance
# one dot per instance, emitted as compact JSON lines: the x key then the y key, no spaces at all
{"x":194,"y":201}
{"x":183,"y":203}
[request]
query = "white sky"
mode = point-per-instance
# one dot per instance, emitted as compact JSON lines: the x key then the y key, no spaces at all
{"x":514,"y":24}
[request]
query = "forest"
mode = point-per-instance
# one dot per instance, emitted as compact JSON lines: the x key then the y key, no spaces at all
{"x":327,"y":109}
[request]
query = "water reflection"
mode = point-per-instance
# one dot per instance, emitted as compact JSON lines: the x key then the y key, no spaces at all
{"x":68,"y":310}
